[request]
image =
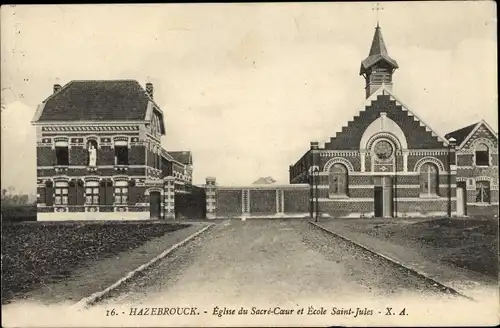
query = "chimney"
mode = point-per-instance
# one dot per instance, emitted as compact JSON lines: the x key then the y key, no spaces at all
{"x":150,"y":89}
{"x":57,"y":87}
{"x":314,"y":145}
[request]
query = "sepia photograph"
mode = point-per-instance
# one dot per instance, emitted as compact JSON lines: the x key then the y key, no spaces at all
{"x":250,"y":164}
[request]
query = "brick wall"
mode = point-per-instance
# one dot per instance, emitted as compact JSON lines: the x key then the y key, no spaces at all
{"x":263,"y":201}
{"x":105,"y":155}
{"x":345,"y":208}
{"x":424,"y":207}
{"x":137,"y":155}
{"x":229,"y":202}
{"x":78,"y":155}
{"x":296,"y":200}
{"x":44,"y":156}
{"x":416,"y":135}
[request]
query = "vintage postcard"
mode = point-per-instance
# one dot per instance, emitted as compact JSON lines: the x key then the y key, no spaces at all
{"x":250,"y":164}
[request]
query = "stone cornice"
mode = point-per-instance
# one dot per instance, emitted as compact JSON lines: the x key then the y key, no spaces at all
{"x":90,"y":128}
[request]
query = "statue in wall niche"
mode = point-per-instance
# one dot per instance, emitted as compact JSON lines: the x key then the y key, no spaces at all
{"x":92,"y":155}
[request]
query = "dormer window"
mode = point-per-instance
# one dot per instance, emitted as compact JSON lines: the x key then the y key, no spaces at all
{"x":482,"y":155}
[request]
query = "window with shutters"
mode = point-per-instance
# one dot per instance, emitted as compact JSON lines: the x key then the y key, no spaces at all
{"x":121,"y":192}
{"x":61,"y":193}
{"x":92,"y":193}
{"x":429,"y":181}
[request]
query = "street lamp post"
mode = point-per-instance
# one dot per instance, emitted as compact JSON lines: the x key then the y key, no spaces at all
{"x":451,"y":145}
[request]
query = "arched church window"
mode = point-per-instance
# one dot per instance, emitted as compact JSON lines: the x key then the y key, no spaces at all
{"x":482,"y":155}
{"x":429,"y":180}
{"x":338,"y":180}
{"x":482,"y":192}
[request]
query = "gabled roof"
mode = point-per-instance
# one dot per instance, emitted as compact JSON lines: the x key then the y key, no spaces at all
{"x":96,"y":100}
{"x":383,"y":91}
{"x":264,"y":180}
{"x":378,"y":52}
{"x":464,"y":134}
{"x":461,"y":134}
{"x":183,"y":157}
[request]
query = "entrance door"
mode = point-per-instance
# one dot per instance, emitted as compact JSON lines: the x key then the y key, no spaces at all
{"x":382,"y":197}
{"x":378,"y":199}
{"x":155,"y":205}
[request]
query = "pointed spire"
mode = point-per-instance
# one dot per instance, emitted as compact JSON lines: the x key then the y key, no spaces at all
{"x":378,"y":67}
{"x":378,"y":44}
{"x":378,"y":52}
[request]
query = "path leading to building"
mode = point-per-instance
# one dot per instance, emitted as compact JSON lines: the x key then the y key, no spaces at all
{"x":273,"y":262}
{"x":264,"y":265}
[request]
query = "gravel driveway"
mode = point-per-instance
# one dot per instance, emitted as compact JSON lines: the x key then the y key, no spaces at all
{"x":272,"y":262}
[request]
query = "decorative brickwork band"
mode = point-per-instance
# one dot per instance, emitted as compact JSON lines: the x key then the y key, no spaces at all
{"x":210,"y":192}
{"x":169,"y":198}
{"x":245,"y":200}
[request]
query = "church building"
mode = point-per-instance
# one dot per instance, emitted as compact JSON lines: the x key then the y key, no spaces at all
{"x":387,"y":162}
{"x":99,"y":154}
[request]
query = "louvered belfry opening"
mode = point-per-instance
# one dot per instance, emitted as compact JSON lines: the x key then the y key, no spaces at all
{"x":378,"y":67}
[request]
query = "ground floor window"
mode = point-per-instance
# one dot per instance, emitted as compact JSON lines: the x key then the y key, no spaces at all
{"x":429,"y":179}
{"x":482,"y":192}
{"x":92,"y":193}
{"x":121,"y":192}
{"x":338,"y":180}
{"x":61,"y":192}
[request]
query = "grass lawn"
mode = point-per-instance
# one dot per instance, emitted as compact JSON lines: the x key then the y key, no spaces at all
{"x":471,"y":243}
{"x":37,"y":253}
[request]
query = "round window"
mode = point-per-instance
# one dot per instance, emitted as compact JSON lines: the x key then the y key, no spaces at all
{"x":383,"y":149}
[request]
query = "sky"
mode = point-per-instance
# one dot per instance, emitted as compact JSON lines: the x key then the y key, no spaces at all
{"x":247,"y":87}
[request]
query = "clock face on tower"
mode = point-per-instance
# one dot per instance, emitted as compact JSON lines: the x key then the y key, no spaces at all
{"x":383,"y":149}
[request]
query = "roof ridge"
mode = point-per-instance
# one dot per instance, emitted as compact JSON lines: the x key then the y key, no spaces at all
{"x":106,"y":80}
{"x":438,"y":135}
{"x":463,"y":128}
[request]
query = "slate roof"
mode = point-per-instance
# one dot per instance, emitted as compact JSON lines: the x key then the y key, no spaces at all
{"x":183,"y":157}
{"x":97,"y":100}
{"x":378,"y":52}
{"x":461,"y":134}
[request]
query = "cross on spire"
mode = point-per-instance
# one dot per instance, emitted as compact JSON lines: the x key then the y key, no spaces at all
{"x":377,"y":8}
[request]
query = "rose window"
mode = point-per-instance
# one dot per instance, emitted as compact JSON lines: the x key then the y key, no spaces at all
{"x":383,"y":149}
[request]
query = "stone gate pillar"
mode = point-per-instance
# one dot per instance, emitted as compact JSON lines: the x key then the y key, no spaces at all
{"x":210,"y":197}
{"x":169,"y":198}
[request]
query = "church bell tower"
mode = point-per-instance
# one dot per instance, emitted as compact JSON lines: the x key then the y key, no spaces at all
{"x":378,"y":67}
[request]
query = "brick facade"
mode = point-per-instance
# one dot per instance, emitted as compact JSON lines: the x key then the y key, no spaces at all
{"x":130,"y":162}
{"x":472,"y":174}
{"x":405,"y":190}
